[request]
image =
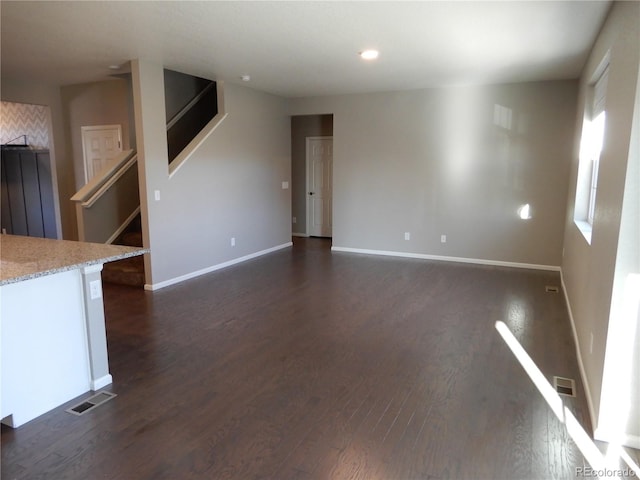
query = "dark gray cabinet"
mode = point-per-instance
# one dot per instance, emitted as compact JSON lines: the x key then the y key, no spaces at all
{"x":27,"y":193}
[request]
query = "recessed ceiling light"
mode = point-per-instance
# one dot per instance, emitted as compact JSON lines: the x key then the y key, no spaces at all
{"x":246,"y":78}
{"x":114,"y":67}
{"x":369,"y":54}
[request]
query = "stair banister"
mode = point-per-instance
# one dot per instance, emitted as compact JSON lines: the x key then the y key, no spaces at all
{"x":106,"y":204}
{"x":103,"y":176}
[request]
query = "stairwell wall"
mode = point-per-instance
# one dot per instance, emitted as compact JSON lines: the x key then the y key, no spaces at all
{"x":95,"y":103}
{"x":231,"y":187}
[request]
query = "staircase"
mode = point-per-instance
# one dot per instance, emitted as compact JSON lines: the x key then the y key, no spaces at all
{"x":129,"y":271}
{"x":108,"y":206}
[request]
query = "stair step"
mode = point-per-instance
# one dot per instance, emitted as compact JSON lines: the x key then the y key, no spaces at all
{"x":129,"y":271}
{"x":132,"y":239}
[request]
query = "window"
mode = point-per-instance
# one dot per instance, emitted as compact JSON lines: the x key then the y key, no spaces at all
{"x":591,"y":143}
{"x":597,"y":137}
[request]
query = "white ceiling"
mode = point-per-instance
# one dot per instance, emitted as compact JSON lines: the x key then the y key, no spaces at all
{"x":301,"y":48}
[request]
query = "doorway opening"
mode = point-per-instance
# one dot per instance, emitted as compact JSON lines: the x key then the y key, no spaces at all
{"x":307,"y":130}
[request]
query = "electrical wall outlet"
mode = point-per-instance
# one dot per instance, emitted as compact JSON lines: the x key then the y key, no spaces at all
{"x":407,"y":235}
{"x":443,"y":239}
{"x":95,"y":289}
{"x":233,"y":241}
{"x":294,"y":220}
{"x":156,"y":194}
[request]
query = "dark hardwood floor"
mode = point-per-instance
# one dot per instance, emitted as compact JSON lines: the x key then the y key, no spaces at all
{"x":305,"y":364}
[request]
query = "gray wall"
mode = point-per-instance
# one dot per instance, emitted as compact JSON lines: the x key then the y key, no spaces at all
{"x":230,"y":187}
{"x":302,"y":127}
{"x":99,"y":103}
{"x":439,"y":161}
{"x":595,"y":275}
{"x":112,"y":209}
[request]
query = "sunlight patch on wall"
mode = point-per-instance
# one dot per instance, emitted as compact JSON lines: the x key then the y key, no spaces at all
{"x":616,"y":388}
{"x":462,"y":134}
{"x":524,"y":212}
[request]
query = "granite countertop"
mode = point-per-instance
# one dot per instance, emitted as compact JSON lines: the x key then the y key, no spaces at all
{"x":24,"y":258}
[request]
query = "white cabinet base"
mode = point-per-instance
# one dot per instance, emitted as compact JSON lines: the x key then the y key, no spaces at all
{"x":53,"y":342}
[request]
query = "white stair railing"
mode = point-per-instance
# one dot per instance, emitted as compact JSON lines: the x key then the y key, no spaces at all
{"x":109,"y":201}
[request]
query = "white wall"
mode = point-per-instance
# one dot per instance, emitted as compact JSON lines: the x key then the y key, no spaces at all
{"x":230,"y":187}
{"x":437,"y":161}
{"x":595,"y":274}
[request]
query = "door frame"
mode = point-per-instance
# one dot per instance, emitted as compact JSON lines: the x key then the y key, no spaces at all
{"x":306,"y":191}
{"x":90,"y":128}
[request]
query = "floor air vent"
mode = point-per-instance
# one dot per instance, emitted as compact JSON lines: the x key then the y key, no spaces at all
{"x":91,"y":403}
{"x":565,"y":386}
{"x":551,"y":289}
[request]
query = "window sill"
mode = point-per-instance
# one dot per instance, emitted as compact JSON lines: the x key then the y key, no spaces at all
{"x":585,"y":228}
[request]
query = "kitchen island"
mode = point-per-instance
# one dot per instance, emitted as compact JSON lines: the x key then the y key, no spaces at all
{"x":52,"y":329}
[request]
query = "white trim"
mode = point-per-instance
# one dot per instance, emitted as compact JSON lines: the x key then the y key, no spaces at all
{"x":89,"y":269}
{"x":304,"y":235}
{"x":193,"y":145}
{"x":583,"y":375}
{"x":213,"y":268}
{"x":585,"y":229}
{"x":124,"y":225}
{"x":478,"y":261}
{"x":101,"y":382}
{"x":96,"y":182}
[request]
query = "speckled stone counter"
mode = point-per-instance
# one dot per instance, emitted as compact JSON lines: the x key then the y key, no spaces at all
{"x":24,"y":258}
{"x":53,"y":342}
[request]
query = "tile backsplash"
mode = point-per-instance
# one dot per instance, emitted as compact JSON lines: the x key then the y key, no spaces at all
{"x":18,"y":119}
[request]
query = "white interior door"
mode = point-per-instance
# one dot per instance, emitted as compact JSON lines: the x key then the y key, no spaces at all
{"x":100,"y":144}
{"x":319,"y":186}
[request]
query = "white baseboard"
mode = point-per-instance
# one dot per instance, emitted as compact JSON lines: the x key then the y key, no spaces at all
{"x":477,"y":261}
{"x":213,"y":268}
{"x":101,"y":382}
{"x":583,"y":375}
{"x":304,"y":235}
